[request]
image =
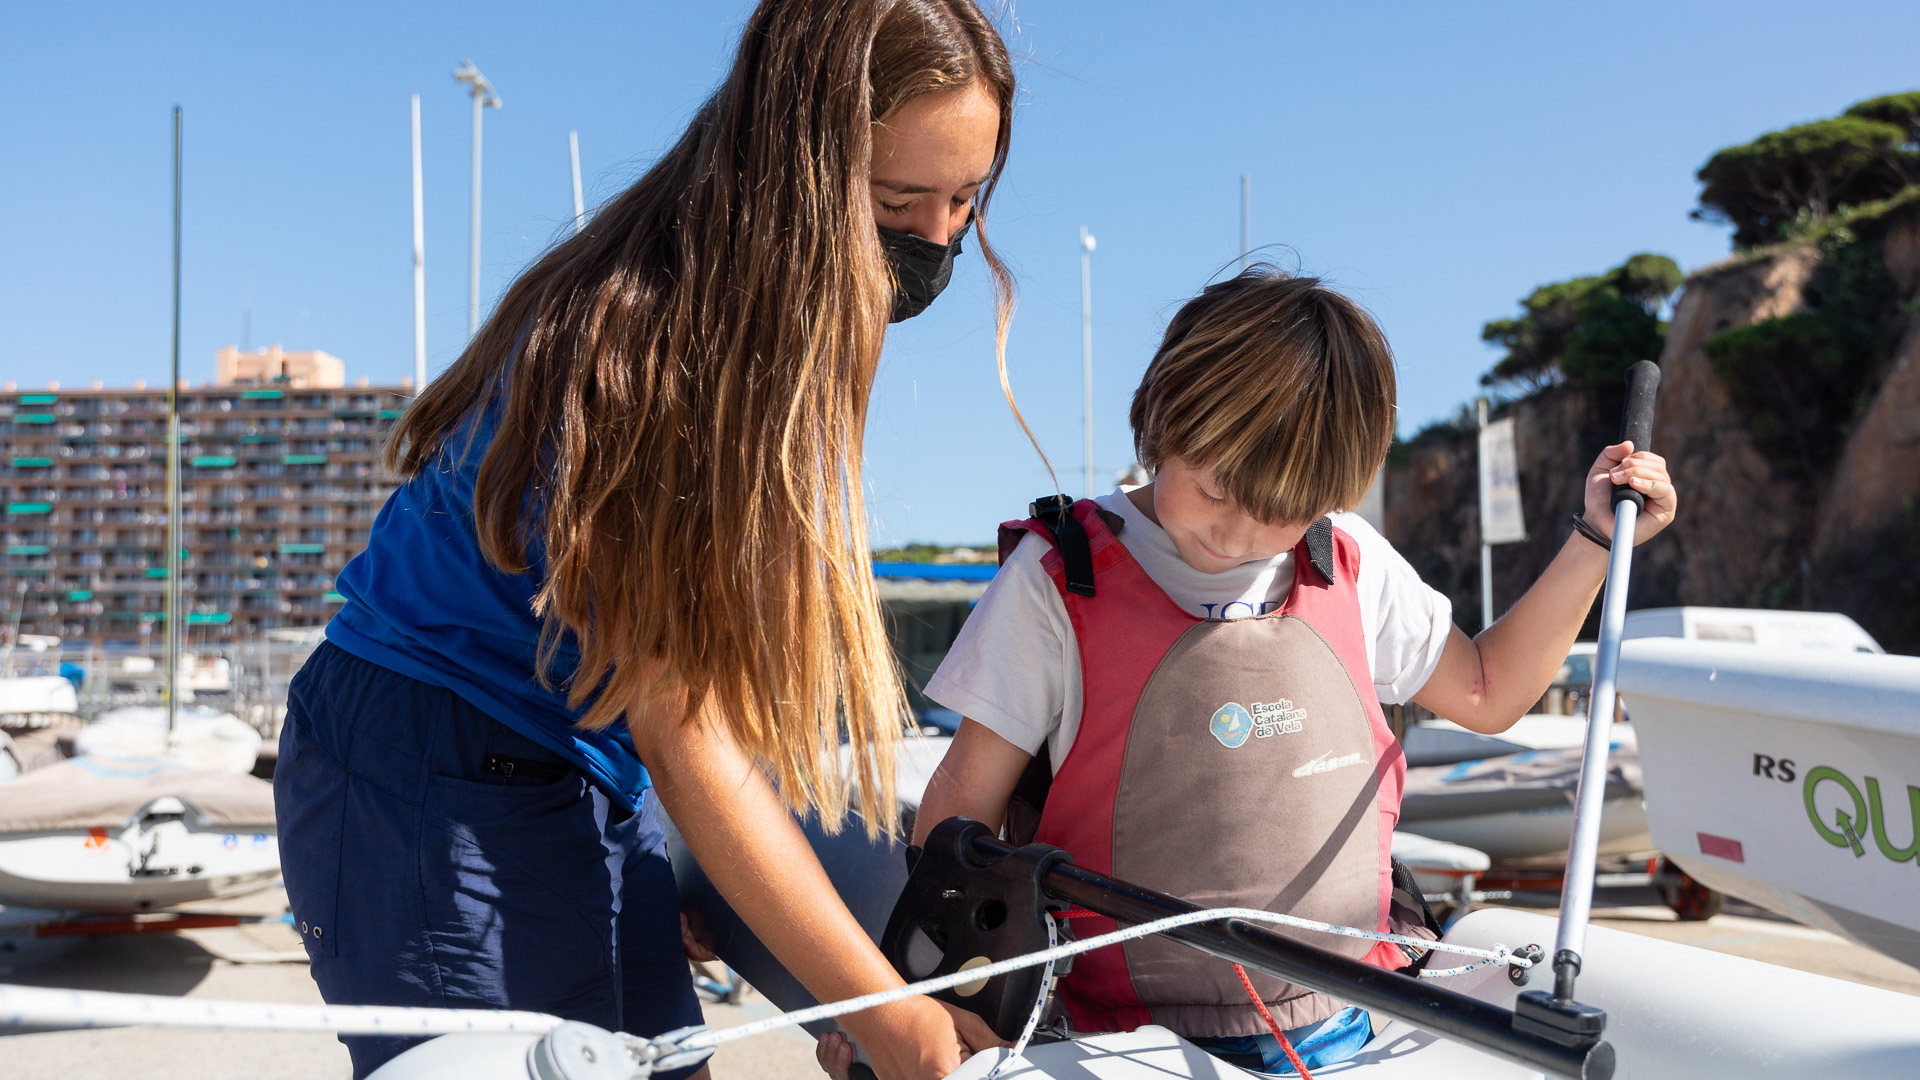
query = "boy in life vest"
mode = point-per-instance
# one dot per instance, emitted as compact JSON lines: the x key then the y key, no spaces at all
{"x":1201,"y":662}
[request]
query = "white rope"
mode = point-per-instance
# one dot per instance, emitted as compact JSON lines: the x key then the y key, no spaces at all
{"x":1039,"y":1004}
{"x":41,"y":1007}
{"x":711,"y":1037}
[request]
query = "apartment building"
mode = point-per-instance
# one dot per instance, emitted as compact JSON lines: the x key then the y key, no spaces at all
{"x":279,"y":485}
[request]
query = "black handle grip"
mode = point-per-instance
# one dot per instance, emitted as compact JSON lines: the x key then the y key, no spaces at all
{"x":1636,"y":421}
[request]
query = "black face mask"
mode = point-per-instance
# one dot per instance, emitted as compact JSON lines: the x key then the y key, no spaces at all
{"x":921,"y":268}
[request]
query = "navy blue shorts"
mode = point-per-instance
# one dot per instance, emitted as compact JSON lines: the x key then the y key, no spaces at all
{"x":435,"y":857}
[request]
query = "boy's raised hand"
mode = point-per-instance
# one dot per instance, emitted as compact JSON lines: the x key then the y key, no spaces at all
{"x":1646,"y":472}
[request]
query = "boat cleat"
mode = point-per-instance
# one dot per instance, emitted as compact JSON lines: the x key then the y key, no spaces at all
{"x":577,"y":1051}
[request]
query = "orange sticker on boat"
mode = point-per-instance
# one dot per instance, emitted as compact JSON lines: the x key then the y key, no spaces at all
{"x":96,"y":839}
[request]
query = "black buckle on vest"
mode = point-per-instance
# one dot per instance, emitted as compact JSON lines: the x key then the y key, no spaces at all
{"x":1069,"y":538}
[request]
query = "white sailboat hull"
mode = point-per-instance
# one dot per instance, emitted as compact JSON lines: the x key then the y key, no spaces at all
{"x":1674,"y":1012}
{"x":1790,"y":779}
{"x":100,"y":870}
{"x":131,"y":835}
{"x":1541,"y":834}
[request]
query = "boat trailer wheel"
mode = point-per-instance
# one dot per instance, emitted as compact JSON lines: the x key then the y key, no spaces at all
{"x":1690,"y":900}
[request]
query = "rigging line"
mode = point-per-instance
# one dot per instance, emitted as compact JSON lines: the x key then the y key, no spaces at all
{"x":713,"y":1037}
{"x":43,"y":1007}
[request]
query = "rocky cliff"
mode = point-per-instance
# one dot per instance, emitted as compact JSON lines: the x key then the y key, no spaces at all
{"x":1800,"y":474}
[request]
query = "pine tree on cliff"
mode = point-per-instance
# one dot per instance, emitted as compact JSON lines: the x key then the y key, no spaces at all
{"x":1786,"y":181}
{"x":1587,"y":329}
{"x":1903,"y":112}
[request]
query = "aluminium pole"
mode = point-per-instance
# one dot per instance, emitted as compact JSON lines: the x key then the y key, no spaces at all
{"x":1486,"y":549}
{"x":419,"y":262}
{"x":473,"y":251}
{"x":579,"y":206}
{"x":174,"y":614}
{"x":483,"y":98}
{"x":1246,"y":218}
{"x":1086,"y":349}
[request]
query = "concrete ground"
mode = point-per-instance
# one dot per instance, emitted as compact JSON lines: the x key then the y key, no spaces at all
{"x":262,"y":962}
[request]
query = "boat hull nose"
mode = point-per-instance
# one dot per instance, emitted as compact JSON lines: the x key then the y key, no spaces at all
{"x":1788,"y":778}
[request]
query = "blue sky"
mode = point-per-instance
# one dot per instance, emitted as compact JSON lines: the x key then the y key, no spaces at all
{"x":1437,"y":163}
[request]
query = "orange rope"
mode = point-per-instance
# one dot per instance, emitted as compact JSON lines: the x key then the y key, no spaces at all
{"x":1286,"y":1045}
{"x":1253,"y":995}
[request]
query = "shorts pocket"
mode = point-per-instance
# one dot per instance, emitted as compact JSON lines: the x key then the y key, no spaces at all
{"x":518,"y":896}
{"x":310,"y":804}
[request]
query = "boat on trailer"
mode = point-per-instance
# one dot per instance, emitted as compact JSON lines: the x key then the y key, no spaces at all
{"x":125,"y":836}
{"x":1788,"y":778}
{"x":1518,"y":807}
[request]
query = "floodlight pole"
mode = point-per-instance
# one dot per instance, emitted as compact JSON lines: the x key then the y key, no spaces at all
{"x":1086,"y":348}
{"x":483,"y":98}
{"x":579,"y":206}
{"x":419,"y":262}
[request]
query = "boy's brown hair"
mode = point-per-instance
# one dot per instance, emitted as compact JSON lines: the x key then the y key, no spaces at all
{"x":1280,"y":386}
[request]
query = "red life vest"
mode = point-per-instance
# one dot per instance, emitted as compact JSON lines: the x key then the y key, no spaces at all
{"x":1237,"y":763}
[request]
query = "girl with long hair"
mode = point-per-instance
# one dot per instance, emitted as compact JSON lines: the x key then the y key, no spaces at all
{"x":629,"y":564}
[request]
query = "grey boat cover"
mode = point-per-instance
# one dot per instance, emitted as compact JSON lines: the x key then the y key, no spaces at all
{"x":1511,"y":783}
{"x":103,"y":793}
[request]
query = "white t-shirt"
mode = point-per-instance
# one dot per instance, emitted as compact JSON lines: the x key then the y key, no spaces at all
{"x":1016,"y":666}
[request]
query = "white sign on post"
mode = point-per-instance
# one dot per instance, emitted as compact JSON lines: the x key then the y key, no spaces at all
{"x":1501,"y":521}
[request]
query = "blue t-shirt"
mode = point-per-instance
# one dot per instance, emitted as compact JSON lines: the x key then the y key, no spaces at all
{"x":423,"y":601}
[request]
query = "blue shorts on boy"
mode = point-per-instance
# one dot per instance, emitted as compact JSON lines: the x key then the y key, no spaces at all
{"x":1332,"y":1040}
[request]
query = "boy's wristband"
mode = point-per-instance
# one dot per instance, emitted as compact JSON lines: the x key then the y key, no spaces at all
{"x":1585,"y":528}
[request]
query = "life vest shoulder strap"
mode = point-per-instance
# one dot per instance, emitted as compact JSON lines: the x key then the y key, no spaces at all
{"x":1319,"y":544}
{"x":1063,"y":523}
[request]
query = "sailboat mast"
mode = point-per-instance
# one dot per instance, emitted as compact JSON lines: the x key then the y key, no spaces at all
{"x":579,"y":205}
{"x":419,"y":263}
{"x":174,"y":615}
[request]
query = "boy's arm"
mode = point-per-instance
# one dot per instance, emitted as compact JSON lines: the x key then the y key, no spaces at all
{"x":975,"y":779}
{"x":1486,"y":683}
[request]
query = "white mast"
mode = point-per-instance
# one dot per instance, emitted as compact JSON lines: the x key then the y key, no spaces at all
{"x":1086,"y":348}
{"x":1246,"y":218}
{"x":174,"y":615}
{"x":419,"y":263}
{"x":579,"y":207}
{"x":1486,"y":546}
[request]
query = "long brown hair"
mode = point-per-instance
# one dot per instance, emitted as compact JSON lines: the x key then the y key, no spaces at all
{"x":1280,"y":385}
{"x":683,"y":391}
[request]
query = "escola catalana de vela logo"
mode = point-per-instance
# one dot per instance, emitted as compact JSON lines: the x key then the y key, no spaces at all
{"x":1233,"y":723}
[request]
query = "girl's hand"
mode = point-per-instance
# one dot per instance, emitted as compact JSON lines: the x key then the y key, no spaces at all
{"x":1646,"y":473}
{"x":911,"y":1042}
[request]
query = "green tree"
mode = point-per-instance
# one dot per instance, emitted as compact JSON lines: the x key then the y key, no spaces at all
{"x":1900,"y":110}
{"x":1903,"y":112}
{"x":1802,"y":173}
{"x":1587,"y":329}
